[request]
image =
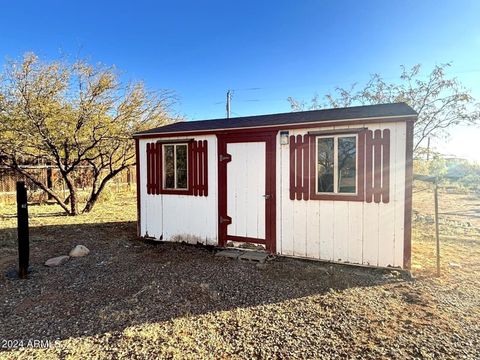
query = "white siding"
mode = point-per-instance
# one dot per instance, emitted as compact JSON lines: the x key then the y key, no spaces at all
{"x":180,"y":217}
{"x":345,"y":231}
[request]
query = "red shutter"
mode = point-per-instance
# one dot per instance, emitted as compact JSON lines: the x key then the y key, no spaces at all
{"x":299,"y":167}
{"x":199,"y":167}
{"x":377,"y":163}
{"x":153,"y":168}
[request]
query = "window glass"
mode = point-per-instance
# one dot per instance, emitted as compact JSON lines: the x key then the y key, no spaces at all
{"x":169,"y":166}
{"x":347,"y":148}
{"x":325,"y":165}
{"x":181,"y":155}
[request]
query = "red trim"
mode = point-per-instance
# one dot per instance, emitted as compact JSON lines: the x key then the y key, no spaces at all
{"x":199,"y":163}
{"x":190,"y":168}
{"x":276,"y":128}
{"x":377,"y":165}
{"x":299,"y":167}
{"x":137,"y":175}
{"x":377,"y":179}
{"x":407,"y":226}
{"x":205,"y":165}
{"x":298,"y":171}
{"x":270,"y":185}
{"x":306,"y":167}
{"x":200,"y":168}
{"x":195,"y":168}
{"x":293,"y":188}
{"x":245,"y":239}
{"x":369,"y":166}
{"x":360,"y":195}
{"x":159,"y":171}
{"x":386,"y":167}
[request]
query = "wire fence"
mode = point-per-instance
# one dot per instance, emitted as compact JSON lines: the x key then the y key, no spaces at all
{"x":51,"y":177}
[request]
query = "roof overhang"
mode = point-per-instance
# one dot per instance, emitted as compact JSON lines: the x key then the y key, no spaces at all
{"x":310,"y":124}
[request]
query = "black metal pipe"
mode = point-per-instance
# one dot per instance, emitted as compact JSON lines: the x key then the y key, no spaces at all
{"x":23,"y":232}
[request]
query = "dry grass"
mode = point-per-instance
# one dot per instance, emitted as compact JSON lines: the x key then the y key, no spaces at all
{"x":183,"y":306}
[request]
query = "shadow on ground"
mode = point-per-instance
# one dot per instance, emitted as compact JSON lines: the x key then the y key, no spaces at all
{"x":125,"y":281}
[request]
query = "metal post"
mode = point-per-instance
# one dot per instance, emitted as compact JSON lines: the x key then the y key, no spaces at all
{"x":436,"y":228}
{"x":22,"y":228}
{"x":49,"y":179}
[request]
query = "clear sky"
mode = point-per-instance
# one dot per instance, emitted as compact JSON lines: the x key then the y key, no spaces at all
{"x":264,"y":50}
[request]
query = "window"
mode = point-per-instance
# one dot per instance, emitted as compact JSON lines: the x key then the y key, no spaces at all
{"x":336,"y":164}
{"x":175,"y":165}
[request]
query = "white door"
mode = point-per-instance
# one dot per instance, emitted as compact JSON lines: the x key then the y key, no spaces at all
{"x":246,"y":191}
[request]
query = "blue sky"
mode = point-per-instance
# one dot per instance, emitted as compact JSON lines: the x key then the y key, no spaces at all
{"x":264,"y":50}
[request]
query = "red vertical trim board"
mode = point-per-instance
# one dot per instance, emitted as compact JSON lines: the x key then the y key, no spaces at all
{"x":377,"y":165}
{"x":386,"y":166}
{"x":195,"y":168}
{"x":205,"y":164}
{"x":190,"y":168}
{"x":369,"y":166}
{"x":361,"y":166}
{"x":293,"y":188}
{"x":200,"y":168}
{"x":306,"y":165}
{"x":298,"y":170}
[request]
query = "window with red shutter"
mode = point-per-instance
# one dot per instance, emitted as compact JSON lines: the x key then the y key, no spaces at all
{"x":349,"y":165}
{"x":179,"y":168}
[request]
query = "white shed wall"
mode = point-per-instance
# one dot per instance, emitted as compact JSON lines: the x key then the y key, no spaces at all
{"x":344,"y":231}
{"x":180,"y":217}
{"x":341,"y":231}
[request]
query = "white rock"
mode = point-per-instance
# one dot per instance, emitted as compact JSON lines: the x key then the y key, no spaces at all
{"x":455,"y":265}
{"x":57,"y":261}
{"x":79,"y":251}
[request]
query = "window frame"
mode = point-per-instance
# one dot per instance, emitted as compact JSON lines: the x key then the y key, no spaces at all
{"x":176,"y":191}
{"x":359,"y":161}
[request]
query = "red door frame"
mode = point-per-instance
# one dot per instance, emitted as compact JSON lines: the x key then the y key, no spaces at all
{"x":269,"y":137}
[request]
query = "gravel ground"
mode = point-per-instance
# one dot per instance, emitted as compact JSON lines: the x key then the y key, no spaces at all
{"x":131,"y":299}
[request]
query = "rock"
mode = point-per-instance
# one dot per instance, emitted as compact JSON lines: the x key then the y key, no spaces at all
{"x":57,"y":261}
{"x":454,"y":265}
{"x":79,"y":251}
{"x":261,"y":266}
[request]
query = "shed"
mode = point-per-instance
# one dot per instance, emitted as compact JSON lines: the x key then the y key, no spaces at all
{"x":332,"y":184}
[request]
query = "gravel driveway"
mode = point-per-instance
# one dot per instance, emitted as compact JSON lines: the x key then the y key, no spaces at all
{"x":135,"y":299}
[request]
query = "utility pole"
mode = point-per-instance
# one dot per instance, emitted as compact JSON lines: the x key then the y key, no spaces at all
{"x":229,"y":98}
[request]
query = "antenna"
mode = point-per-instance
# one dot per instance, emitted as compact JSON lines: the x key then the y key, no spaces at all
{"x":229,"y":99}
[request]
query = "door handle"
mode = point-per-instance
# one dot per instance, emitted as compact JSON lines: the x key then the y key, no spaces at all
{"x":267,"y":196}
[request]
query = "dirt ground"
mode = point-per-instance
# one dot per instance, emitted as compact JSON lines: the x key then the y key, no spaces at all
{"x":133,"y":299}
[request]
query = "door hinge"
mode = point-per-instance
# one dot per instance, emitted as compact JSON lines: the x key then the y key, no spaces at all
{"x":227,"y":157}
{"x":225,"y":219}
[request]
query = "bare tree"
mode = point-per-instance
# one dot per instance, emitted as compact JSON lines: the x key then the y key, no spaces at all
{"x":441,"y":102}
{"x":73,"y":115}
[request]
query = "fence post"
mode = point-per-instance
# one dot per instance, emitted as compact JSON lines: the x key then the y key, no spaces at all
{"x":49,"y":179}
{"x":22,"y":228}
{"x":437,"y":232}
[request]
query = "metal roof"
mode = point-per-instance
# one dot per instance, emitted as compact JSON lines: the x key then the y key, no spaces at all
{"x":290,"y":118}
